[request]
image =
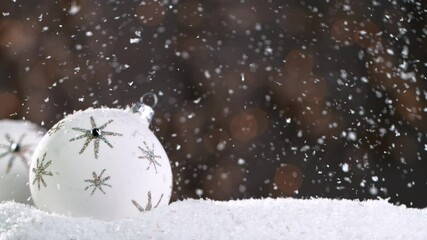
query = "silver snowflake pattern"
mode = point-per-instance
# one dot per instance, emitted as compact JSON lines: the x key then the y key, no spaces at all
{"x":149,"y":205}
{"x":95,"y":133}
{"x":56,"y":128}
{"x":41,"y":170}
{"x":15,"y":149}
{"x":97,"y":182}
{"x":150,"y":156}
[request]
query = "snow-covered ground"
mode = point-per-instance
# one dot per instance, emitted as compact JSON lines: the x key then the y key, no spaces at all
{"x":247,"y":219}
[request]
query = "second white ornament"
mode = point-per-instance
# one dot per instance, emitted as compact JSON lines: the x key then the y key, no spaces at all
{"x":102,"y":163}
{"x":18,"y":139}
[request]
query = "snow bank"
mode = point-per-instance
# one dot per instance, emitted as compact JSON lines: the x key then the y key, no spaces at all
{"x":247,"y":219}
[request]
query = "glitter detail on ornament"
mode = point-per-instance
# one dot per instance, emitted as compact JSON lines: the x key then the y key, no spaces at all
{"x":41,"y":170}
{"x":150,"y":156}
{"x":56,"y":128}
{"x":95,"y":133}
{"x":97,"y":182}
{"x":15,"y":149}
{"x":149,"y":204}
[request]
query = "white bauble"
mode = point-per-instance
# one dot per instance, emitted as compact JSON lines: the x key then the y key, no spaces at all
{"x":18,"y":139}
{"x":101,"y":163}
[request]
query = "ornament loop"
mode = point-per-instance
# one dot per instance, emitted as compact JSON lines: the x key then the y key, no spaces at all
{"x":145,"y":110}
{"x":153,"y":95}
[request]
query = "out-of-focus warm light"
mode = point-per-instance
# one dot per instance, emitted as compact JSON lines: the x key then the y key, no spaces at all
{"x":151,"y":13}
{"x":297,"y":72}
{"x":299,"y":64}
{"x":15,"y":36}
{"x":410,"y":108}
{"x":366,"y":34}
{"x":244,"y":126}
{"x":249,"y":124}
{"x":342,"y":31}
{"x":288,"y":179}
{"x":9,"y":104}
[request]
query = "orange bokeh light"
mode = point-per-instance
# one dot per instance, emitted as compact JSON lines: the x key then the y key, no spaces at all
{"x":9,"y":104}
{"x":249,"y":124}
{"x":288,"y":179}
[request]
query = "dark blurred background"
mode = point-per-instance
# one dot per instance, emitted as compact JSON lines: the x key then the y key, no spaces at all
{"x":257,"y":98}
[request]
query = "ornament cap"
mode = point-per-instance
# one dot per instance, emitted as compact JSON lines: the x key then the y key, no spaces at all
{"x":146,"y":111}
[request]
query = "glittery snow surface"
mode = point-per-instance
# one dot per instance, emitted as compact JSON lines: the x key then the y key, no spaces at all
{"x":247,"y":219}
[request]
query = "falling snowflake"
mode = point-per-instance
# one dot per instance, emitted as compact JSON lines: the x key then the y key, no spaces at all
{"x":40,"y":171}
{"x":97,"y":182}
{"x":97,"y":134}
{"x":149,"y":205}
{"x":15,"y":149}
{"x":56,"y":128}
{"x":150,"y":156}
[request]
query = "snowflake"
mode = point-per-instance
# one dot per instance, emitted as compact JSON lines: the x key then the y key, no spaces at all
{"x":149,"y":205}
{"x":150,"y":156}
{"x":97,"y":134}
{"x":97,"y":182}
{"x":56,"y":128}
{"x":40,"y":171}
{"x":15,"y":149}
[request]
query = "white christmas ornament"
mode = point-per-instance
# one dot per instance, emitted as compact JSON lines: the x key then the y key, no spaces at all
{"x":18,"y":139}
{"x":102,"y":163}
